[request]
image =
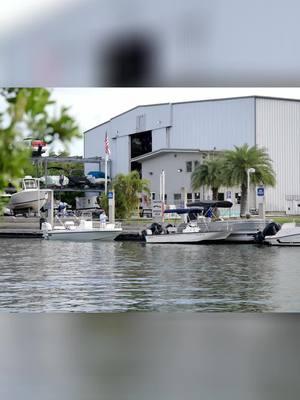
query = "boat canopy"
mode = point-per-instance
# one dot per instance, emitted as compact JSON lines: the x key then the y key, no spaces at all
{"x":211,"y":203}
{"x":194,"y":210}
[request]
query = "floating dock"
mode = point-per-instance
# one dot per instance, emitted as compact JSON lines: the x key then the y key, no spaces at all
{"x":20,"y":233}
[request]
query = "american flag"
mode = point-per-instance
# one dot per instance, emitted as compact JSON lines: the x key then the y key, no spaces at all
{"x":106,"y":145}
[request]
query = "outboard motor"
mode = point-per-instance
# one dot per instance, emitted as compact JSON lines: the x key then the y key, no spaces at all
{"x":270,"y":230}
{"x":154,"y":229}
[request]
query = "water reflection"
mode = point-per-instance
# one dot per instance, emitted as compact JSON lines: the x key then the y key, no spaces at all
{"x":103,"y":277}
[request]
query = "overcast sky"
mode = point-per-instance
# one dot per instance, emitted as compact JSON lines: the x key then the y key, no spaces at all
{"x":92,"y":106}
{"x":16,"y":13}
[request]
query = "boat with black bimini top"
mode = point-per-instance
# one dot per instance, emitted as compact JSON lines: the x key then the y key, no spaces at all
{"x":186,"y":232}
{"x":241,"y":230}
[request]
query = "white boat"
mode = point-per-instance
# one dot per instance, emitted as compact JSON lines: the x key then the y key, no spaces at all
{"x":54,"y":180}
{"x":185,"y":233}
{"x":241,"y":230}
{"x":30,"y":198}
{"x":287,"y":235}
{"x":82,"y":232}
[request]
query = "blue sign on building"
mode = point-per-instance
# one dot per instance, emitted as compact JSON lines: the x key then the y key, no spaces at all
{"x":260,"y":191}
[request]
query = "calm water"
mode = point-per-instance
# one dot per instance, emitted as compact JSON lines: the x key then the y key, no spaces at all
{"x":41,"y":275}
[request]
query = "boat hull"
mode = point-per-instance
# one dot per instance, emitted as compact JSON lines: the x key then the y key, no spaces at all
{"x":82,"y":235}
{"x":291,"y":239}
{"x":241,"y":231}
{"x":28,"y":199}
{"x":241,"y":237}
{"x":189,"y":237}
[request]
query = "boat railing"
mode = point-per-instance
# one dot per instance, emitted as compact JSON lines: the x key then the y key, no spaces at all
{"x":59,"y":219}
{"x":98,"y":224}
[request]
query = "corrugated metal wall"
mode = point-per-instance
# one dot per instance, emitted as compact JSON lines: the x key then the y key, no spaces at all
{"x":119,"y":146}
{"x":221,"y":124}
{"x":203,"y":125}
{"x":155,"y":117}
{"x":159,"y":139}
{"x":278,"y":129}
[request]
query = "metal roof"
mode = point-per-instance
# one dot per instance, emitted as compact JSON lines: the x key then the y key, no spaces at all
{"x":166,"y":151}
{"x":194,"y":101}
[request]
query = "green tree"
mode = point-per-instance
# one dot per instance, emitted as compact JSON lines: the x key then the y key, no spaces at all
{"x":27,"y":113}
{"x":127,"y":189}
{"x":208,"y":174}
{"x":236,"y":164}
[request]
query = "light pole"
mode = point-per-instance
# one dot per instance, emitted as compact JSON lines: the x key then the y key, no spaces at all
{"x":162,"y":186}
{"x":249,"y":171}
{"x":162,"y":189}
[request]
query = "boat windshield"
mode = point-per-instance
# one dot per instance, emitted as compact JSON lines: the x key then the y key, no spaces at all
{"x":30,"y":184}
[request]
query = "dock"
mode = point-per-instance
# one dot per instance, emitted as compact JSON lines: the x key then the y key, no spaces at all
{"x":20,"y":233}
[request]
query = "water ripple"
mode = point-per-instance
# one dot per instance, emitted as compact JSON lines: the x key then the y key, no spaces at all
{"x":114,"y":277}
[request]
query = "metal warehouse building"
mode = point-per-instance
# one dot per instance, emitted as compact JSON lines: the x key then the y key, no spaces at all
{"x":175,"y":137}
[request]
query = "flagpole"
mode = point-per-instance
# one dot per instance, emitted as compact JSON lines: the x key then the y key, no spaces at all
{"x":106,"y":160}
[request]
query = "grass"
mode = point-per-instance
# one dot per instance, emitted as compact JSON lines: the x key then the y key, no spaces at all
{"x":282,"y":220}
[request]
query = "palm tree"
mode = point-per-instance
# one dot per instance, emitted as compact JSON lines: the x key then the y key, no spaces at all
{"x":127,"y":189}
{"x":238,"y":161}
{"x":208,"y":174}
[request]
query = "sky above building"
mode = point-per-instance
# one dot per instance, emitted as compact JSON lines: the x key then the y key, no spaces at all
{"x":93,"y":106}
{"x":18,"y":13}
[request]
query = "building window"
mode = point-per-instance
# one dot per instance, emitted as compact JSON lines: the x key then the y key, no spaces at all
{"x":189,"y":197}
{"x":166,"y":197}
{"x":221,"y":196}
{"x":238,"y":198}
{"x":136,"y":166}
{"x":196,"y":164}
{"x":197,"y":196}
{"x":177,"y":196}
{"x":189,"y":166}
{"x":153,"y":195}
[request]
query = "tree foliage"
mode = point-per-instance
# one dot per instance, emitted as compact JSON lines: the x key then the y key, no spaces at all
{"x":27,"y":113}
{"x":127,"y":189}
{"x":230,"y":169}
{"x":208,"y":174}
{"x":239,"y":160}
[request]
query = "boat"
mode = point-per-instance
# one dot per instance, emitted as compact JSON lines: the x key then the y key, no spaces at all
{"x":84,"y":231}
{"x":186,"y":232}
{"x":30,"y":198}
{"x":97,"y":177}
{"x":190,"y":234}
{"x":242,"y":230}
{"x":287,"y":234}
{"x":54,"y":181}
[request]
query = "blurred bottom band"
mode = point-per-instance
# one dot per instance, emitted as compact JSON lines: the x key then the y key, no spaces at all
{"x":149,"y":356}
